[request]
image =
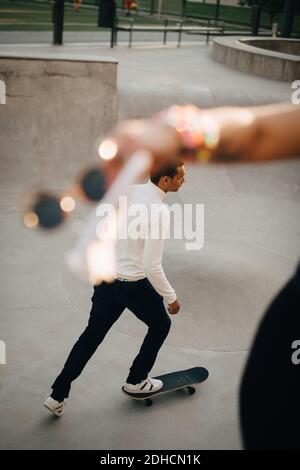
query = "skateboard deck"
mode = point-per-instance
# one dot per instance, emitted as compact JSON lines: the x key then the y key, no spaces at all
{"x":182,"y":379}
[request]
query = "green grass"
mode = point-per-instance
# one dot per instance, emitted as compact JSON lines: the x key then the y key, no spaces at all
{"x":37,"y":16}
{"x":229,"y":14}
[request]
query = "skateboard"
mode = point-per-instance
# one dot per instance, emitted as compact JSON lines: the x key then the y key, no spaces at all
{"x":181,"y":379}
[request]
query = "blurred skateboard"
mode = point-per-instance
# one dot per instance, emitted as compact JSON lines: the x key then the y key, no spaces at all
{"x":182,"y":379}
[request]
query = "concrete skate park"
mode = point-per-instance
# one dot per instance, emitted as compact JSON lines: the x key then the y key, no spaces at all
{"x":59,"y":100}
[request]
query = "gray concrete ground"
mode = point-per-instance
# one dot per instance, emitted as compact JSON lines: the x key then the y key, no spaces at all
{"x":251,"y":247}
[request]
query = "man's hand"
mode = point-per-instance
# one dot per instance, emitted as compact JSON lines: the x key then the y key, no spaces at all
{"x":174,"y":307}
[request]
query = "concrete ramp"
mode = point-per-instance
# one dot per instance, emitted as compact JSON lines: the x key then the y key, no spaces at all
{"x":57,"y":105}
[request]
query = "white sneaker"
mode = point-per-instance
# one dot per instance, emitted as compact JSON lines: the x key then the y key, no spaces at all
{"x":55,"y":406}
{"x":146,"y":386}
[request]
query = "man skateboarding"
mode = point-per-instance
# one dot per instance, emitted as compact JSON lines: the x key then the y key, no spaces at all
{"x":141,"y":286}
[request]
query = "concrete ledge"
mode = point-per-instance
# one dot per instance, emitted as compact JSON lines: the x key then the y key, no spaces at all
{"x":278,"y":45}
{"x":17,"y":53}
{"x":239,"y":54}
{"x":56,"y":107}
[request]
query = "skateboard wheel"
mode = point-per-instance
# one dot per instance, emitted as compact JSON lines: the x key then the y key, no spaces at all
{"x":148,"y":402}
{"x":191,"y":390}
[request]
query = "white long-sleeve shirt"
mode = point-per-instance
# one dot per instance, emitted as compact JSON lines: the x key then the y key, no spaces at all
{"x":140,"y":255}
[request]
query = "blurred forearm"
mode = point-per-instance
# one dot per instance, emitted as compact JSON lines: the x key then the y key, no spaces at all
{"x":260,"y":133}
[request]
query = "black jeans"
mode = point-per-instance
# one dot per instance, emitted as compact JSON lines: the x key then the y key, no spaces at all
{"x":109,"y":301}
{"x":270,"y":388}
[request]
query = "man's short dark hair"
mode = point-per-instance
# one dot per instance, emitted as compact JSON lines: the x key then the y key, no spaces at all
{"x":169,"y":170}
